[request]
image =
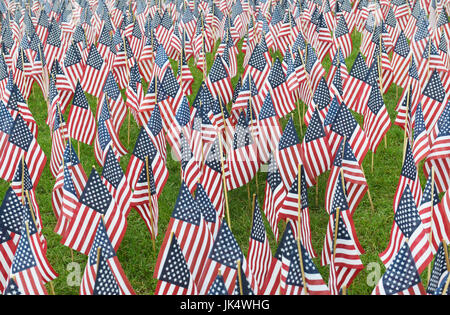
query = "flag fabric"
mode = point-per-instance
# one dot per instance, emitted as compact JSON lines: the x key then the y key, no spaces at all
{"x":219,"y":80}
{"x":103,"y":274}
{"x":439,"y":273}
{"x":191,"y":230}
{"x":95,"y":73}
{"x":408,"y":226}
{"x":402,"y":276}
{"x":95,"y":201}
{"x":259,"y":254}
{"x":421,"y":144}
{"x":277,"y":85}
{"x":81,"y":121}
{"x":357,"y":82}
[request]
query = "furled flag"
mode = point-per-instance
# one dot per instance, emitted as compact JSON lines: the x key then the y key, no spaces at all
{"x":440,"y":223}
{"x":95,"y":201}
{"x":402,"y":277}
{"x":184,"y":75}
{"x":258,"y":66}
{"x":73,"y":64}
{"x":242,"y":160}
{"x":259,"y":254}
{"x":421,"y":145}
{"x":103,"y":274}
{"x":190,"y":171}
{"x":59,"y":138}
{"x":191,"y":230}
{"x":175,"y":277}
{"x":81,"y":121}
{"x":439,"y":273}
{"x":227,"y":258}
{"x":408,"y":177}
{"x":117,"y":106}
{"x":21,"y":142}
{"x":179,"y":126}
{"x":342,"y":35}
{"x":135,"y":93}
{"x":95,"y":74}
{"x":408,"y":226}
{"x":401,"y":60}
{"x":285,"y":275}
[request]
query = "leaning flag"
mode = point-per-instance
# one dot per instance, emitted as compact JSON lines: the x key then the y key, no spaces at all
{"x":175,"y":277}
{"x":194,"y":237}
{"x":402,"y":277}
{"x":95,"y":73}
{"x":408,"y":226}
{"x":95,"y":201}
{"x":103,"y":274}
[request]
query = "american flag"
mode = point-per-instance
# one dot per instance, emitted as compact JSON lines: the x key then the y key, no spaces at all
{"x":22,"y":142}
{"x":288,"y":154}
{"x":172,"y":100}
{"x":135,"y":91}
{"x":52,"y":43}
{"x":64,"y":199}
{"x":421,"y":145}
{"x":402,"y":277}
{"x":376,"y":119}
{"x":114,"y":179}
{"x":342,"y":35}
{"x":154,"y":129}
{"x":147,"y":60}
{"x":18,"y":105}
{"x":184,"y":76}
{"x":224,"y":256}
{"x":218,"y":286}
{"x":433,"y":100}
{"x":175,"y":277}
{"x":321,"y":98}
{"x":258,"y":66}
{"x":190,"y":228}
{"x":95,"y":73}
{"x":95,"y":201}
{"x":345,"y":125}
{"x":71,"y":159}
{"x":242,"y":160}
{"x":269,"y":130}
{"x":103,"y":274}
{"x":285,"y":275}
{"x":259,"y":254}
{"x":59,"y":138}
{"x":25,"y":267}
{"x":81,"y":121}
{"x":178,"y":126}
{"x":73,"y":64}
{"x":357,"y":82}
{"x":190,"y":170}
{"x":348,"y":249}
{"x":295,"y":207}
{"x":408,"y":177}
{"x":356,"y":184}
{"x":117,"y":106}
{"x":316,"y":152}
{"x":440,"y":226}
{"x":408,"y":225}
{"x":219,"y":80}
{"x":439,"y":272}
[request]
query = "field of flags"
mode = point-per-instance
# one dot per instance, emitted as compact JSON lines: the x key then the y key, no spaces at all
{"x":225,"y":147}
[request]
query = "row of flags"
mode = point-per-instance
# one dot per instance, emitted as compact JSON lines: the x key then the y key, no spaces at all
{"x":223,"y":137}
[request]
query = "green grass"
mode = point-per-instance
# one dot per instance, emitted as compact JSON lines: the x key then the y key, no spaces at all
{"x":136,"y":254}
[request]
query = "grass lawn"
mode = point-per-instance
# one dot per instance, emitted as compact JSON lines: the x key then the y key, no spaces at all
{"x":136,"y":254}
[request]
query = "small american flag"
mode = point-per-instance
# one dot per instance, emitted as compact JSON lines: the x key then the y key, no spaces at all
{"x":95,"y":73}
{"x":219,"y":80}
{"x":81,"y":121}
{"x":259,"y":254}
{"x":175,"y":277}
{"x":400,"y":60}
{"x":95,"y":201}
{"x":402,"y":277}
{"x":103,"y":274}
{"x":408,"y":226}
{"x":269,"y":129}
{"x":439,"y":272}
{"x":376,"y":119}
{"x":421,"y":145}
{"x":357,"y":82}
{"x":73,"y":64}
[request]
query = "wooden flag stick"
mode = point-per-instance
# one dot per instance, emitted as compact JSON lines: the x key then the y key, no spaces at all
{"x":225,"y":189}
{"x":430,"y":235}
{"x":253,"y":205}
{"x":299,"y":218}
{"x":241,"y":291}
{"x":302,"y":269}
{"x":150,"y":204}
{"x":368,"y":191}
{"x":444,"y":243}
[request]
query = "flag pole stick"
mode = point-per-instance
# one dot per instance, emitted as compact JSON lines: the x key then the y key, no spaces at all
{"x":240,"y":277}
{"x":150,"y":204}
{"x":224,"y":182}
{"x":253,"y":205}
{"x":430,"y":235}
{"x":405,"y":139}
{"x":368,"y":191}
{"x":299,"y":227}
{"x":336,"y":231}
